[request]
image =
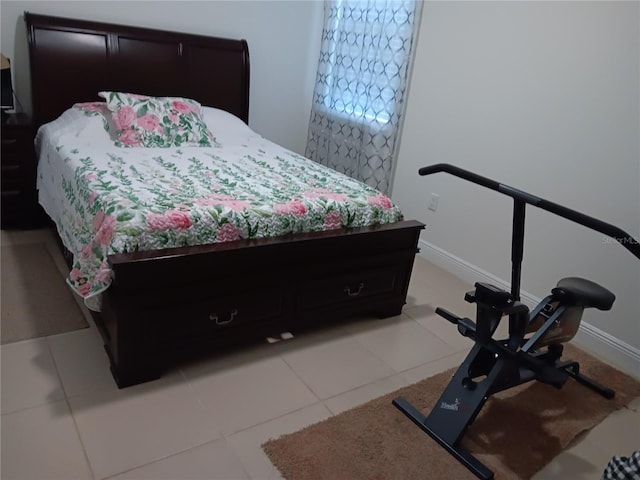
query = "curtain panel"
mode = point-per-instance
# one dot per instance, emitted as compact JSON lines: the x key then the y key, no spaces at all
{"x":361,"y":85}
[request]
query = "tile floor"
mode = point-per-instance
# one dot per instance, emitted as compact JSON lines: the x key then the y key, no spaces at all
{"x":64,"y":418}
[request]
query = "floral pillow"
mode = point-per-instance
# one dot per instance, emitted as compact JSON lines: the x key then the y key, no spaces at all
{"x":142,"y":121}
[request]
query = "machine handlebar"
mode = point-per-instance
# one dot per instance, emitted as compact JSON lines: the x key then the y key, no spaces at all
{"x":622,"y":237}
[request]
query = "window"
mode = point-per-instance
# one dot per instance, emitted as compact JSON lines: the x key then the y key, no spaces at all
{"x":365,"y":59}
{"x":359,"y":97}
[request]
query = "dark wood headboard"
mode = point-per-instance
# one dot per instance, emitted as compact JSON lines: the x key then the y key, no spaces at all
{"x":72,"y":60}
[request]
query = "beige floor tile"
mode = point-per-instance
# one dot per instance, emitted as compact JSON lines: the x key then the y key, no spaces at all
{"x":82,"y":363}
{"x":588,"y":457}
{"x":29,"y":376}
{"x":213,"y":461}
{"x":358,"y":396}
{"x":125,"y":429}
{"x":402,"y":344}
{"x":336,"y":366}
{"x":634,"y":405}
{"x":51,"y":245}
{"x":42,"y":443}
{"x":441,"y":328}
{"x":212,"y":362}
{"x":247,"y":444}
{"x":425,"y":272}
{"x":23,"y":237}
{"x":431,"y":278}
{"x":45,"y":236}
{"x":247,"y":393}
{"x":569,"y":465}
{"x":451,"y":299}
{"x":325,"y":334}
{"x":432,"y":368}
{"x":622,"y":432}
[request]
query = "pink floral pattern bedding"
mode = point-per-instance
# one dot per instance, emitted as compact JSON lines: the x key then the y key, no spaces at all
{"x":105,"y":199}
{"x":142,"y":121}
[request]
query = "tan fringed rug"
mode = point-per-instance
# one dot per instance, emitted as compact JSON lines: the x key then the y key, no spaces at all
{"x":517,"y":432}
{"x":35,"y":300}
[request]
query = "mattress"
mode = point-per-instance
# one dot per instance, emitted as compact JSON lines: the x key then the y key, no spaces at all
{"x":106,"y":199}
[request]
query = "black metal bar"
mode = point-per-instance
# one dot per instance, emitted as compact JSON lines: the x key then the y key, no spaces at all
{"x":447,"y":315}
{"x":463,"y":456}
{"x":573,"y":369}
{"x":619,"y":235}
{"x":459,"y":172}
{"x":517,"y":247}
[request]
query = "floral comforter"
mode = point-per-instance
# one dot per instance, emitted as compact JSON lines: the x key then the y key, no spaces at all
{"x":105,"y":199}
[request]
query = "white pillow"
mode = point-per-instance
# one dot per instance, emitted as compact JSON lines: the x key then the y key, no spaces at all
{"x":87,"y":123}
{"x":225,"y":125}
{"x":93,"y":119}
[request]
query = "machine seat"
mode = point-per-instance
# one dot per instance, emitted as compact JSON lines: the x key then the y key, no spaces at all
{"x":583,"y":293}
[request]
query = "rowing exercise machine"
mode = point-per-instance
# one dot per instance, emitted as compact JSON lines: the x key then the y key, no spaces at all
{"x":533,"y":348}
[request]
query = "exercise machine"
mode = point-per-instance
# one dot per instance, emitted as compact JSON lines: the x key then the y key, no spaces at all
{"x":533,"y":347}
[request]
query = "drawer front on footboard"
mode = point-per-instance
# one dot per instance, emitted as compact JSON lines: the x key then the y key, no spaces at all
{"x":354,"y":286}
{"x":347,"y":287}
{"x":211,"y":317}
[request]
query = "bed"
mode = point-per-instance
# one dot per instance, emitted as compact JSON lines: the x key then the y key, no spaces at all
{"x":162,"y":303}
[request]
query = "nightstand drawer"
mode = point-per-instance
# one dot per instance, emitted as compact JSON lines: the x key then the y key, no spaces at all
{"x":16,"y":140}
{"x":9,"y":159}
{"x":10,"y":206}
{"x":18,"y":173}
{"x":11,"y":175}
{"x":10,"y":146}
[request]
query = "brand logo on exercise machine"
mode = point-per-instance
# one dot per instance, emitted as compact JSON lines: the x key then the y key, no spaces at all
{"x":455,"y":406}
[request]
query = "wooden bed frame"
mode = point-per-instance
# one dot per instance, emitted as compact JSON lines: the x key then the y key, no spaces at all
{"x":160,"y":302}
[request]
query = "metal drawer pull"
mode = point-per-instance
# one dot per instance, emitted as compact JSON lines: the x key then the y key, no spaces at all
{"x":354,"y":294}
{"x":215,"y":318}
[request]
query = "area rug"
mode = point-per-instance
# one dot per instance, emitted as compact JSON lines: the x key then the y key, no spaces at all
{"x":35,"y":299}
{"x":516,"y":434}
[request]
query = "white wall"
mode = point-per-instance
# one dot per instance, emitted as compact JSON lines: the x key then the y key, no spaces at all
{"x":542,"y":96}
{"x":283,"y":38}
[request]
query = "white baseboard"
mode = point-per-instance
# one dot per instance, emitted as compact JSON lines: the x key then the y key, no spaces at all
{"x":600,"y":343}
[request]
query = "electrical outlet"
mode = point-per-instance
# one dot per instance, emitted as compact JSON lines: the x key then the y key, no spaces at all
{"x":433,"y":203}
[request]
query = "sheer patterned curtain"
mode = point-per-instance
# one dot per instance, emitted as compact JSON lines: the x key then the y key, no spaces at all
{"x":358,"y":101}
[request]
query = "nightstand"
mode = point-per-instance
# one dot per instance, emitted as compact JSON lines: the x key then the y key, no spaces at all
{"x":19,"y":205}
